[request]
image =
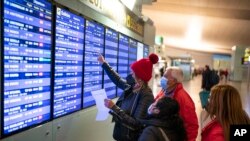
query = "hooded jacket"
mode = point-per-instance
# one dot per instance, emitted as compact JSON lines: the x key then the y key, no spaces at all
{"x":171,"y":129}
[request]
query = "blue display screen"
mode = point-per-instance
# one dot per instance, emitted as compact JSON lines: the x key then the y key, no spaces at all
{"x":94,"y":44}
{"x":27,"y":59}
{"x":132,"y":57}
{"x":123,"y":58}
{"x":145,"y":51}
{"x":68,"y":62}
{"x":111,"y":53}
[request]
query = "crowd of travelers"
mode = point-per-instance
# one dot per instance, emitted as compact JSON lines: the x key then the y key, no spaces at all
{"x":171,"y":116}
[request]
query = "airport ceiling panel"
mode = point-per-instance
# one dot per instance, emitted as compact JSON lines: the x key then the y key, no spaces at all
{"x":224,"y":23}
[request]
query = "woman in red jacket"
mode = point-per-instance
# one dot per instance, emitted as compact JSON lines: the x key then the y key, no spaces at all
{"x":224,"y":109}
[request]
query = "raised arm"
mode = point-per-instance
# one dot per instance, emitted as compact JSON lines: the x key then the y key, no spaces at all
{"x":113,"y":75}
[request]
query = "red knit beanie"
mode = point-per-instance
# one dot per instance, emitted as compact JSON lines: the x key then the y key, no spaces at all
{"x":143,"y":67}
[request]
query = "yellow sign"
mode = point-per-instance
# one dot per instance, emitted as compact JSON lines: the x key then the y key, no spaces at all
{"x":246,"y":55}
{"x":134,"y":25}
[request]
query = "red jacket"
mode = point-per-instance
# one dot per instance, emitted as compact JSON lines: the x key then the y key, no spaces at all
{"x":187,"y":111}
{"x":212,"y":131}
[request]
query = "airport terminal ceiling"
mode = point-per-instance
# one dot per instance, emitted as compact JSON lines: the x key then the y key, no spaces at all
{"x":203,"y":25}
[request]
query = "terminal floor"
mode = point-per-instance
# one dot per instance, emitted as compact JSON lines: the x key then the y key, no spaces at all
{"x":193,"y":87}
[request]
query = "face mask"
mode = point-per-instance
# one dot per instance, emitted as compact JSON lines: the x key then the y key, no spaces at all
{"x":164,"y":82}
{"x":130,"y":80}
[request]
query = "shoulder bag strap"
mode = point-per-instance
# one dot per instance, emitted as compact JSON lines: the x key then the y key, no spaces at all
{"x":163,"y":134}
{"x":134,"y":104}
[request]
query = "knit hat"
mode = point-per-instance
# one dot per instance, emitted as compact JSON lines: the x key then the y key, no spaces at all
{"x":143,"y":67}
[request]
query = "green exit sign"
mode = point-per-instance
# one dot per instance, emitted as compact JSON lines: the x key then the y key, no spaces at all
{"x":158,"y":40}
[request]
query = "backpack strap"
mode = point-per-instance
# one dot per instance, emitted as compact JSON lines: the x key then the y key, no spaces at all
{"x":163,"y":134}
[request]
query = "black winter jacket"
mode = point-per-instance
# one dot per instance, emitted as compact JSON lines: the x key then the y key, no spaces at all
{"x":174,"y":130}
{"x":206,"y":80}
{"x":152,"y":133}
{"x":129,"y":108}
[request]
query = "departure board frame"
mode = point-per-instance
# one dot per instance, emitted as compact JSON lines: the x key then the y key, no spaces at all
{"x":110,"y":63}
{"x":35,"y":124}
{"x":64,"y":8}
{"x":120,"y":91}
{"x":1,"y":69}
{"x":131,"y":53}
{"x":54,"y":5}
{"x":87,"y":19}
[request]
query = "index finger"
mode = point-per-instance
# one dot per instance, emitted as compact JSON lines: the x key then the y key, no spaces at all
{"x":99,"y":53}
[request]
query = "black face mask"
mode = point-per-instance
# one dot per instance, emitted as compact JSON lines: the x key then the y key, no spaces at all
{"x":130,"y":80}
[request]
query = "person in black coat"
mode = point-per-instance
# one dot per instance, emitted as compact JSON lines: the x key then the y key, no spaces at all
{"x":164,"y":122}
{"x":134,"y":101}
{"x":206,"y":79}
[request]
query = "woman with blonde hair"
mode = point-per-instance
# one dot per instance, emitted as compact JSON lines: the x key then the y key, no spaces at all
{"x":224,"y":109}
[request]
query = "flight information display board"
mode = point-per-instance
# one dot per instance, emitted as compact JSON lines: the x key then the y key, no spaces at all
{"x":139,"y":50}
{"x":123,"y":58}
{"x":145,"y":51}
{"x":132,"y":57}
{"x":94,"y":44}
{"x":111,"y":53}
{"x":27,"y":70}
{"x":68,"y":63}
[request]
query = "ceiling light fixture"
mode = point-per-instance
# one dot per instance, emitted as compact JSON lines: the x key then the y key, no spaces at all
{"x":194,"y":31}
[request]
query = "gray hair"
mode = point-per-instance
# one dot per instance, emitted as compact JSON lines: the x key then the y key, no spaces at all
{"x":176,"y":73}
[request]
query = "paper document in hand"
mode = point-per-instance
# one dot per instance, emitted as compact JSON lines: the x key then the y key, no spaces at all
{"x":103,"y":112}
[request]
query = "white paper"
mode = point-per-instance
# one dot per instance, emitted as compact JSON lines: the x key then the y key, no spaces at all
{"x":103,"y":112}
